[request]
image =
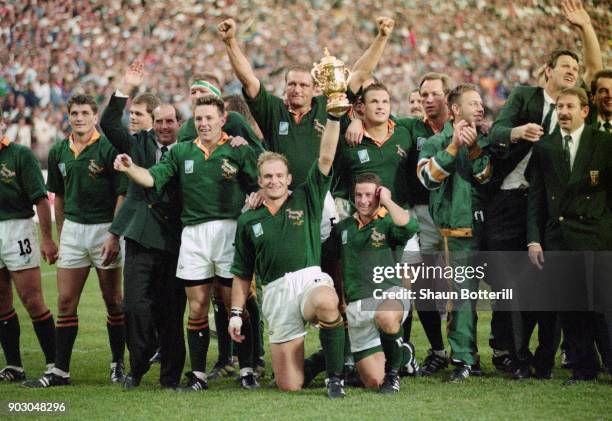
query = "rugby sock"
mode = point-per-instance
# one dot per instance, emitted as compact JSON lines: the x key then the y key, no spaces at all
{"x":331,"y":336}
{"x":392,"y":347}
{"x":198,"y":339}
{"x":245,"y":348}
{"x":44,"y":327}
{"x":257,"y":339}
{"x":9,"y":337}
{"x":407,"y":326}
{"x":224,"y":341}
{"x":65,"y":334}
{"x":432,"y":325}
{"x":115,"y":324}
{"x":313,"y":365}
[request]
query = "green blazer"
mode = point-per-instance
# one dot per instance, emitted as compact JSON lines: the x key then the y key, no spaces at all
{"x":151,"y":219}
{"x":570,"y":210}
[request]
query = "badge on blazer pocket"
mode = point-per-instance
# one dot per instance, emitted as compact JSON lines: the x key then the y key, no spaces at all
{"x":594,"y":177}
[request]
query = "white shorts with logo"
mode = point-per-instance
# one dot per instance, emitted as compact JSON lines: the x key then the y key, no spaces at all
{"x":207,"y":249}
{"x":362,"y":329}
{"x":18,"y":245}
{"x":284,"y":299}
{"x":81,"y":246}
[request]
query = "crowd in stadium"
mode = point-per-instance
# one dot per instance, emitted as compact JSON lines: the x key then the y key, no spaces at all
{"x":465,"y":126}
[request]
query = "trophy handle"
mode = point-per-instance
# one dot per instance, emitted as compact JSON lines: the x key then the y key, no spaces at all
{"x":314,"y":72}
{"x":347,"y":74}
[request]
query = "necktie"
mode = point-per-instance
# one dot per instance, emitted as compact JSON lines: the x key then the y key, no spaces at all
{"x":546,"y":122}
{"x":164,"y":151}
{"x":566,"y":151}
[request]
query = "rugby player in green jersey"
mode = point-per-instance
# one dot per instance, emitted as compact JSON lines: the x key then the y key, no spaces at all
{"x":21,"y":187}
{"x":377,"y":306}
{"x":213,"y":178}
{"x":281,"y":242}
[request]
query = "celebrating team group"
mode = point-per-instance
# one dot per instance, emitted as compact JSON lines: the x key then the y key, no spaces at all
{"x":287,"y":216}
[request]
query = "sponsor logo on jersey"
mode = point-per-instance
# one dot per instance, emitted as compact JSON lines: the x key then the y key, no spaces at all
{"x":420,"y":142}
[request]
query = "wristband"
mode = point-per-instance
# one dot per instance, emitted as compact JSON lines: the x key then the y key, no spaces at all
{"x":236,"y":312}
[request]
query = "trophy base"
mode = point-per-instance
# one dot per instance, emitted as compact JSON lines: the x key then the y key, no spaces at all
{"x":337,"y":105}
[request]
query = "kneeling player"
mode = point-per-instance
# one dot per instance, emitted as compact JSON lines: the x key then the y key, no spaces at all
{"x":21,"y":185}
{"x":362,"y":243}
{"x":281,"y":243}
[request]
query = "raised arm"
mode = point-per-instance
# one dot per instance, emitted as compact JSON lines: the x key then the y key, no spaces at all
{"x":366,"y":64}
{"x":140,"y":175}
{"x":238,"y":60}
{"x":111,"y":123}
{"x":577,"y":16}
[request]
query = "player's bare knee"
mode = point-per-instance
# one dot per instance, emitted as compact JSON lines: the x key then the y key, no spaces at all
{"x":371,"y":381}
{"x":66,"y":304}
{"x":287,"y":385}
{"x":34,"y":304}
{"x":387,"y":321}
{"x":197,"y":309}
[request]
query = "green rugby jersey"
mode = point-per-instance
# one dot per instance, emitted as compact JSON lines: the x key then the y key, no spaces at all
{"x":419,"y":131}
{"x":296,"y":137}
{"x":212,"y":186}
{"x":87,"y":179}
{"x":289,"y":239}
{"x":389,"y":161}
{"x":362,"y":248}
{"x":235,"y":125}
{"x":21,"y":181}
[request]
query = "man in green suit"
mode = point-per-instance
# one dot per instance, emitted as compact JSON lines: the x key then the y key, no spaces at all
{"x":571,"y":180}
{"x":150,"y":222}
{"x":453,"y":165}
{"x":527,"y":115}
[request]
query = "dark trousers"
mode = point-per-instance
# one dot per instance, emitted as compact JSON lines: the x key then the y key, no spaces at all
{"x":511,"y":329}
{"x":154,"y":306}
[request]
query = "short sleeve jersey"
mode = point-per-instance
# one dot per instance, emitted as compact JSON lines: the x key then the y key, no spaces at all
{"x":87,"y":179}
{"x":296,"y":138}
{"x":363,"y":248}
{"x":274,"y":243}
{"x":21,"y":181}
{"x":212,"y":186}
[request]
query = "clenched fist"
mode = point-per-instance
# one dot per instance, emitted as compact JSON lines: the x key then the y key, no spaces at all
{"x":227,"y":29}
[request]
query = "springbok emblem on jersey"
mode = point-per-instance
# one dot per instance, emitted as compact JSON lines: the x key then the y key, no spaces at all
{"x":229,"y":171}
{"x":94,"y":169}
{"x":296,"y":216}
{"x":6,"y":174}
{"x":377,"y":238}
{"x":401,"y":152}
{"x":320,"y":128}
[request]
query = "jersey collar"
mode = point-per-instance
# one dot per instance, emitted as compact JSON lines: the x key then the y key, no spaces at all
{"x":380,"y":213}
{"x":5,"y":142}
{"x":203,"y":148}
{"x":390,"y":130}
{"x":431,"y":125}
{"x":93,"y":139}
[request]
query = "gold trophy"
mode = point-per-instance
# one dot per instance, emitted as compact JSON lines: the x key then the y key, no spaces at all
{"x":332,"y":76}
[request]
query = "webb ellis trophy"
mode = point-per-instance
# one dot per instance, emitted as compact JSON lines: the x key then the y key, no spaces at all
{"x":332,"y":76}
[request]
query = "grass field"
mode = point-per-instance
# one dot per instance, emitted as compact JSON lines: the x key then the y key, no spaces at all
{"x":93,"y":397}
